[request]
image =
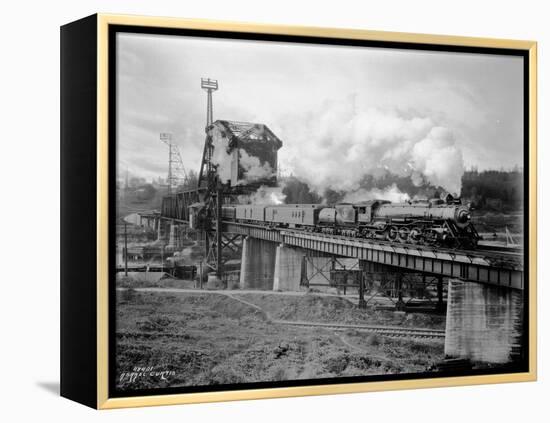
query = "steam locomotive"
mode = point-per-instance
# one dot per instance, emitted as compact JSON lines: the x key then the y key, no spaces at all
{"x":441,"y":222}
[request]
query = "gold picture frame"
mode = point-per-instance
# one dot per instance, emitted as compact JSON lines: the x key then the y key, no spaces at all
{"x":102,"y":22}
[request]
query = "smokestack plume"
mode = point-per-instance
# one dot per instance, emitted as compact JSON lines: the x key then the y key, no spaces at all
{"x":335,"y":146}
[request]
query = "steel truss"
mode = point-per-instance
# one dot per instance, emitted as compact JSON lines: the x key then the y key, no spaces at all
{"x":401,"y":288}
{"x":339,"y":275}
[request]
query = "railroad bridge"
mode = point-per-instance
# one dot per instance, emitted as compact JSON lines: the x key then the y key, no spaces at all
{"x":498,"y":268}
{"x":485,"y":266}
{"x":484,"y":286}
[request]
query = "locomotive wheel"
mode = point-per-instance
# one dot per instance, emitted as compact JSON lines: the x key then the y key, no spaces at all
{"x":404,"y":234}
{"x":392,"y":233}
{"x":415,"y":235}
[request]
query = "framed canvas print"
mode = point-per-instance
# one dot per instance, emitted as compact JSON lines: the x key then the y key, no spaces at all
{"x":256,"y":211}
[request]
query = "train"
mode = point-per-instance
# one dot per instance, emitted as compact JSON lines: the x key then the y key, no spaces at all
{"x":441,"y":222}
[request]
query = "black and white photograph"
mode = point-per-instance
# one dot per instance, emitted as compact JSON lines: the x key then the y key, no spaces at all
{"x":291,"y":212}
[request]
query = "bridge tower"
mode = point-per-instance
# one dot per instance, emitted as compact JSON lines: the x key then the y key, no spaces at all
{"x":207,"y":170}
{"x":215,"y":193}
{"x":209,"y":85}
{"x":213,"y":199}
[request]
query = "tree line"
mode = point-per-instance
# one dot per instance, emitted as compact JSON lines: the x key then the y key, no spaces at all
{"x":493,"y":190}
{"x":489,"y":190}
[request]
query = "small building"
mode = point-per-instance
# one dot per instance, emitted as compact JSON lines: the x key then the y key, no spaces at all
{"x":245,"y":153}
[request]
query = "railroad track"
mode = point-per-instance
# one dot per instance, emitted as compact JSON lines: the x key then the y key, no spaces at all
{"x":500,"y":249}
{"x":392,"y":331}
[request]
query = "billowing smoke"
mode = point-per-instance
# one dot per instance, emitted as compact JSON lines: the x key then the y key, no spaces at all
{"x":265,"y":196}
{"x":253,"y":169}
{"x":225,"y":159}
{"x":221,"y":155}
{"x":390,"y":193}
{"x":439,"y":160}
{"x":337,"y":145}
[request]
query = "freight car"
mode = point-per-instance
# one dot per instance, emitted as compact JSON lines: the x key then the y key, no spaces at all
{"x":438,"y":222}
{"x":250,"y":213}
{"x":293,"y":215}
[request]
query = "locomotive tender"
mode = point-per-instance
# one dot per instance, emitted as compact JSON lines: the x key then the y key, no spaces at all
{"x":438,"y":222}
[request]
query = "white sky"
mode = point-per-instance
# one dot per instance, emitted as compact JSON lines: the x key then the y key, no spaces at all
{"x":300,"y":90}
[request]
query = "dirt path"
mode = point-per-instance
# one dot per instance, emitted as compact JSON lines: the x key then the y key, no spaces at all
{"x":330,"y":327}
{"x":230,"y":292}
{"x":265,"y":313}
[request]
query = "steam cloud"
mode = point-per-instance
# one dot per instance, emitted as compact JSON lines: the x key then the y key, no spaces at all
{"x":439,"y":160}
{"x":265,"y":196}
{"x":254,"y":170}
{"x":390,"y":193}
{"x":223,"y":157}
{"x":335,"y":146}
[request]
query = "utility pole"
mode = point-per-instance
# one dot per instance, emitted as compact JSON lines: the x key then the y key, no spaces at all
{"x":219,"y":257}
{"x":125,"y":249}
{"x":362,"y":303}
{"x":200,"y":274}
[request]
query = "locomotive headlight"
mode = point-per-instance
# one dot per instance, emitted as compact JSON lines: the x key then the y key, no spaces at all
{"x":462,"y":217}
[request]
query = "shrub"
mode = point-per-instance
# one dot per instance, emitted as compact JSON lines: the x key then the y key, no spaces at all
{"x":372,"y":339}
{"x":128,"y":295}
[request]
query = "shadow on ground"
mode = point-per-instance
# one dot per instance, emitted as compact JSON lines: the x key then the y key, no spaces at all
{"x":50,"y":387}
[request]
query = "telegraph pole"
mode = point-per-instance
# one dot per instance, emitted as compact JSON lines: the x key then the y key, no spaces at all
{"x":219,"y":257}
{"x":125,"y":249}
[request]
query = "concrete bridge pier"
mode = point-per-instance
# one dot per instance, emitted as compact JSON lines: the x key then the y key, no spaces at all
{"x":149,"y":221}
{"x":175,"y":238}
{"x":288,"y":268}
{"x":257,"y":264}
{"x":156,"y":223}
{"x":484,"y":322}
{"x":161,"y":231}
